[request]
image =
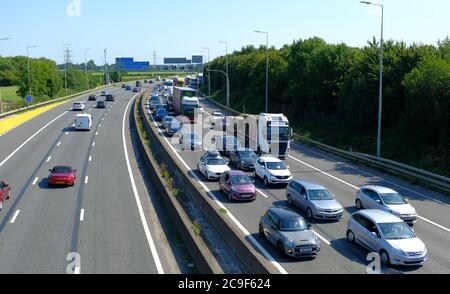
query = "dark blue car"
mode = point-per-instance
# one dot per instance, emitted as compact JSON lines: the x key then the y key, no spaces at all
{"x":161,"y":114}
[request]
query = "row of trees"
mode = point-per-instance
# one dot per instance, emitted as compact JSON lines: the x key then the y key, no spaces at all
{"x":339,"y":81}
{"x":47,"y":80}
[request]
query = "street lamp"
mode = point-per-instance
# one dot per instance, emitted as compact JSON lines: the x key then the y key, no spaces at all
{"x":226,"y":53}
{"x":65,"y":65}
{"x":85,"y":67}
{"x":380,"y":102}
{"x":228,"y":83}
{"x":28,"y":61}
{"x":267,"y":68}
{"x":209,"y":74}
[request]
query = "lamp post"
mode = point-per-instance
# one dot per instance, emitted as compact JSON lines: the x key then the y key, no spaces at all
{"x":65,"y":65}
{"x":85,"y":67}
{"x":380,"y":99}
{"x":29,"y":73}
{"x":209,"y":74}
{"x":228,"y":83}
{"x":267,"y":68}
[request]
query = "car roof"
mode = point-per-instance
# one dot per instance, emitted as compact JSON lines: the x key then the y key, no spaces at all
{"x":213,"y":153}
{"x":235,"y":173}
{"x":284,"y":213}
{"x":379,"y":216}
{"x":310,"y":185}
{"x":270,"y":159}
{"x":379,"y":189}
{"x":241,"y":149}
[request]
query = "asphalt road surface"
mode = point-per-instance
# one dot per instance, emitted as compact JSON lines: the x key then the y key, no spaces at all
{"x":342,"y":179}
{"x":107,"y":219}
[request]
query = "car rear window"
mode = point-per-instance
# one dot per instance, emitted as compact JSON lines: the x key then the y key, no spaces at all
{"x":62,"y":170}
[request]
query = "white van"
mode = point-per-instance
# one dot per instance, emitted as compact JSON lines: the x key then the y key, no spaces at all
{"x":83,"y":122}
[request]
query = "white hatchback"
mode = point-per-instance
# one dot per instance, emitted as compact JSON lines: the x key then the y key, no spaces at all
{"x":272,"y":171}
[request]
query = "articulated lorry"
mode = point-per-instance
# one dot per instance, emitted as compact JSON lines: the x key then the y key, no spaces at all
{"x":266,"y":133}
{"x":184,"y":102}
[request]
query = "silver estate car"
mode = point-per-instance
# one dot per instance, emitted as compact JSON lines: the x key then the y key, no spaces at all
{"x":388,"y":235}
{"x":289,"y":232}
{"x":314,"y":199}
{"x":375,"y":197}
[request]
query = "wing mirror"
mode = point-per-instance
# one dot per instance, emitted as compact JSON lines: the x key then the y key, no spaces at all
{"x":50,"y":170}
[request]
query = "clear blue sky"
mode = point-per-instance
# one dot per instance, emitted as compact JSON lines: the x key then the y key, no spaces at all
{"x":177,"y":28}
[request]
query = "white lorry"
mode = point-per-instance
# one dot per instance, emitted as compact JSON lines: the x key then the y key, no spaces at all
{"x":266,"y":133}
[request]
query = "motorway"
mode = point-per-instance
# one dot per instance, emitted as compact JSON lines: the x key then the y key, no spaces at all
{"x":342,"y":179}
{"x":107,"y":218}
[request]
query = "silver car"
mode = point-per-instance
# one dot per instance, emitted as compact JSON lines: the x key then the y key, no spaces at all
{"x":375,"y":197}
{"x":289,"y":232}
{"x":315,"y":200}
{"x":388,"y":235}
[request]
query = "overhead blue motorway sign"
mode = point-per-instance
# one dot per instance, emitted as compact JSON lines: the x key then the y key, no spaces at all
{"x":28,"y":99}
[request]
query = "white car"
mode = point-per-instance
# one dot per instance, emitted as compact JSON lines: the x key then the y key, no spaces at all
{"x":104,"y":93}
{"x":218,"y":114}
{"x":375,"y":197}
{"x":384,"y":233}
{"x":78,"y":106}
{"x":272,"y":171}
{"x":212,"y":167}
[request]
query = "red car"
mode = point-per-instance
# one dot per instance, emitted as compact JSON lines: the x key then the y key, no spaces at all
{"x":5,"y":191}
{"x":237,"y":186}
{"x":62,"y":175}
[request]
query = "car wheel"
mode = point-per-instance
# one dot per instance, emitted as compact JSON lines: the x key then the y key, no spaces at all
{"x":309,"y":213}
{"x":266,"y":182}
{"x":359,"y":205}
{"x":384,"y":257}
{"x":280,"y":248}
{"x":261,"y":231}
{"x":351,"y":236}
{"x":289,"y":199}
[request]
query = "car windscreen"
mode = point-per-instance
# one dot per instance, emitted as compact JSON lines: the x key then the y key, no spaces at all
{"x":62,"y":170}
{"x":293,"y":225}
{"x":396,"y":231}
{"x":320,"y":195}
{"x":276,"y":165}
{"x":215,"y":161}
{"x":240,"y":180}
{"x":392,"y":199}
{"x":248,"y":154}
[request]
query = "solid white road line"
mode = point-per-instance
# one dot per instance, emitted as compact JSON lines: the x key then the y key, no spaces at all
{"x":148,"y":234}
{"x":30,"y":138}
{"x":322,"y":172}
{"x":86,"y":180}
{"x":322,"y":238}
{"x":220,"y":204}
{"x":15,"y":216}
{"x":35,"y":181}
{"x":82,"y":215}
{"x":262,"y":193}
{"x":49,"y":158}
{"x":371,"y":175}
{"x":356,"y":188}
{"x":433,"y":223}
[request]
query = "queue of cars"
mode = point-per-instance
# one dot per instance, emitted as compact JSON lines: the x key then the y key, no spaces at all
{"x":380,"y":223}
